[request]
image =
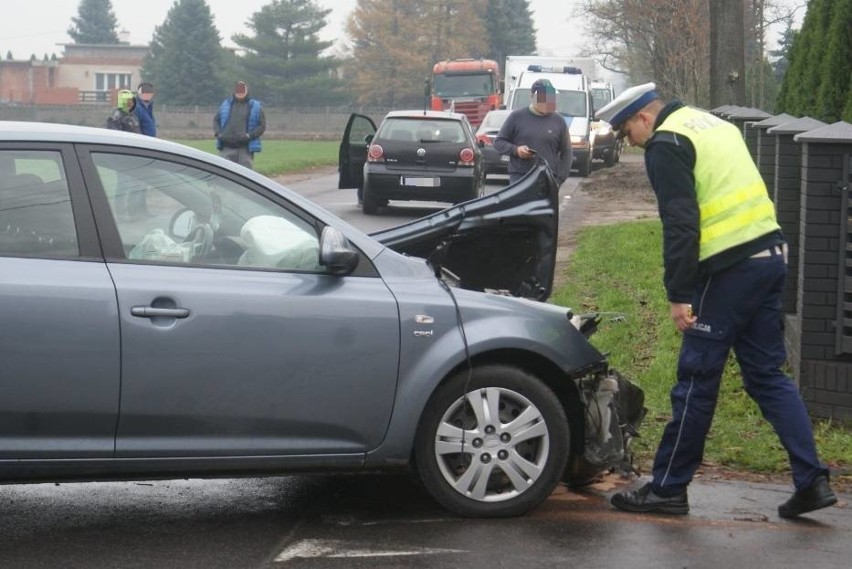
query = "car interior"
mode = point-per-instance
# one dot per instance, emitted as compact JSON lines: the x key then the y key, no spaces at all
{"x":197,"y":217}
{"x":35,"y":214}
{"x":408,"y":130}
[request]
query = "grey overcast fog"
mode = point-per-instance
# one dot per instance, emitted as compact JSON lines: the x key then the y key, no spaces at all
{"x":40,"y":26}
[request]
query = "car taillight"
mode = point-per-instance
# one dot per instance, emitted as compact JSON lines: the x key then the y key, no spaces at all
{"x":466,"y":157}
{"x":375,"y":153}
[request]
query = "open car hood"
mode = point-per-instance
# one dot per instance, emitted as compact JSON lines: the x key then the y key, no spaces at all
{"x":505,"y":241}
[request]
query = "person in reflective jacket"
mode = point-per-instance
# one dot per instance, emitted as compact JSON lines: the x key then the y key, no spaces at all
{"x":123,"y":117}
{"x":724,"y":268}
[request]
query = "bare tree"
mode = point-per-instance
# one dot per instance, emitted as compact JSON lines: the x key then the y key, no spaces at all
{"x":760,"y":15}
{"x":665,"y":41}
{"x":394,"y":44}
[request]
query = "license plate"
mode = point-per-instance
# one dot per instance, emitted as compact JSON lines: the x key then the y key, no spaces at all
{"x":504,"y":158}
{"x":421,"y":182}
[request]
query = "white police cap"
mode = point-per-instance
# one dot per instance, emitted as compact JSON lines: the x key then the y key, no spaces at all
{"x":627,"y":104}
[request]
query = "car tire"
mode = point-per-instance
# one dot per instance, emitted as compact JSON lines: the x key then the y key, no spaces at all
{"x":369,"y":204}
{"x":523,"y":460}
{"x":609,"y":159}
{"x":585,"y":167}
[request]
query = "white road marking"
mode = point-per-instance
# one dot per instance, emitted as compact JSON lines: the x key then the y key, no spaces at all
{"x":336,"y":549}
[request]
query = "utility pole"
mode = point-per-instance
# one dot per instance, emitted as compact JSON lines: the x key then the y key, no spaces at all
{"x":727,"y":53}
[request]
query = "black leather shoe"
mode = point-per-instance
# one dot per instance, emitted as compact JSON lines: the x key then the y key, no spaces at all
{"x":816,"y":496}
{"x":644,"y":500}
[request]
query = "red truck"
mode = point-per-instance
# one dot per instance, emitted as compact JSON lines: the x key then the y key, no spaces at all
{"x":467,"y":86}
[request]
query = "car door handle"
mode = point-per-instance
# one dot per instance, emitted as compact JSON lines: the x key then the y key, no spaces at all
{"x":151,"y":312}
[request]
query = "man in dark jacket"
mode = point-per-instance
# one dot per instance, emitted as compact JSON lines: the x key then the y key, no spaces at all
{"x":238,"y":126}
{"x":537,"y":130}
{"x":725,"y":261}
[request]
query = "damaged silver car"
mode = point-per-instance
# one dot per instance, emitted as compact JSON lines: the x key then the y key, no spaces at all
{"x":225,"y":325}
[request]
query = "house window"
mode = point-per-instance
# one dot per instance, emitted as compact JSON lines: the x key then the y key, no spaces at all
{"x":110,"y":81}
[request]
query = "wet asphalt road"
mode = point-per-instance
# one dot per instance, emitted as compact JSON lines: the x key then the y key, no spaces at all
{"x":387,"y":521}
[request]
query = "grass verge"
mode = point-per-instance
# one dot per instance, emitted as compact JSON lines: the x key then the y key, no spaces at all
{"x":283,"y":156}
{"x":618,"y":269}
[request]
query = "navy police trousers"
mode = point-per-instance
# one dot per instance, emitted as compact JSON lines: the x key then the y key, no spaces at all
{"x":739,"y":308}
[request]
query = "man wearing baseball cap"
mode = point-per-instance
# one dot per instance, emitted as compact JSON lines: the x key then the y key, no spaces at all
{"x":537,"y":130}
{"x":724,"y":267}
{"x":238,"y":126}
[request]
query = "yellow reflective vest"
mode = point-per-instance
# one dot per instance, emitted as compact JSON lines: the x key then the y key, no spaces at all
{"x":733,"y":202}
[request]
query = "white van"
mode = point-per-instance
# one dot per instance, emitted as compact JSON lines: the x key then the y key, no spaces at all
{"x":606,"y":146}
{"x":573,"y":101}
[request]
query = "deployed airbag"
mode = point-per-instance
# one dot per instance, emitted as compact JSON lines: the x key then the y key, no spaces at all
{"x":272,"y":241}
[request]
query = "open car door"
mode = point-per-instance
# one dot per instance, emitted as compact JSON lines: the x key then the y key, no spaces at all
{"x":505,"y":241}
{"x":353,"y":150}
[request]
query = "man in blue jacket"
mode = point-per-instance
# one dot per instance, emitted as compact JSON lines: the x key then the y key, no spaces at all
{"x":136,"y":207}
{"x":238,"y":126}
{"x":145,"y":109}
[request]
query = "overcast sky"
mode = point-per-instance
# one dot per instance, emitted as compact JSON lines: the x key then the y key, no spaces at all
{"x":37,"y":26}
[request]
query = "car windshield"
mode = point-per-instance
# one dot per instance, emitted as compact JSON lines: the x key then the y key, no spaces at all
{"x":467,"y":85}
{"x":600,"y":97}
{"x":408,"y":129}
{"x":493,"y":121}
{"x":568,"y":103}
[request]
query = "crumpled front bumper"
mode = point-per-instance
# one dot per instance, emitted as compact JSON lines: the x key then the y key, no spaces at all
{"x":614,"y":408}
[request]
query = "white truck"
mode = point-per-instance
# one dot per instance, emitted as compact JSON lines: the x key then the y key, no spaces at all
{"x":573,"y":99}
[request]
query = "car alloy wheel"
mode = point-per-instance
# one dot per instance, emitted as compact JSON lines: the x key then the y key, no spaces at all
{"x":499,"y":450}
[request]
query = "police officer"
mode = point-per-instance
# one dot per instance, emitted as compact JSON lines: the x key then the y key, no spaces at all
{"x":724,"y":268}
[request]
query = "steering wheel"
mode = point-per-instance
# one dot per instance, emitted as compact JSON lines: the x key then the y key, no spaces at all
{"x":200,"y":240}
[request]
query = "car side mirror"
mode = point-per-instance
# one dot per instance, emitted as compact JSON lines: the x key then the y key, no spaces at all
{"x":369,"y":138}
{"x":336,"y":253}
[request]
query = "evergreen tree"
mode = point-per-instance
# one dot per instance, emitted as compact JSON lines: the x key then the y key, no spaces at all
{"x":510,"y":30}
{"x":847,"y":110}
{"x":95,"y":23}
{"x":836,"y":66}
{"x":185,"y":57}
{"x":786,"y":98}
{"x":818,"y":80}
{"x":819,"y":12}
{"x":782,"y":54}
{"x":283,"y":59}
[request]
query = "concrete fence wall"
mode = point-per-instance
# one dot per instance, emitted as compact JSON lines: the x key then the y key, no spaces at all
{"x":325,"y":123}
{"x":806,"y":166}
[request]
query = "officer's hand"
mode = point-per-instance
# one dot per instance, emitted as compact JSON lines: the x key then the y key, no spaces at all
{"x":682,"y":316}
